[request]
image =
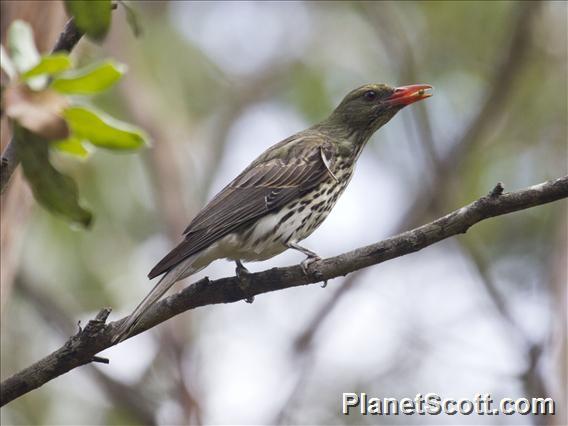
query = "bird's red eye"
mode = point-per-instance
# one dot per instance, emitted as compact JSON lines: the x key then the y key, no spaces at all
{"x":370,"y":95}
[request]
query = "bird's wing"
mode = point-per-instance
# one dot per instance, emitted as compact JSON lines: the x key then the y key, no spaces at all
{"x":265,"y":186}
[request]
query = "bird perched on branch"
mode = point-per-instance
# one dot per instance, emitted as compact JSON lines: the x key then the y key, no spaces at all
{"x":283,"y":195}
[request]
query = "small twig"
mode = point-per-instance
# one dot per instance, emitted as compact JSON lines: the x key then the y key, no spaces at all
{"x":97,"y":336}
{"x":132,"y":399}
{"x":68,"y":38}
{"x":532,"y":378}
{"x":497,"y":191}
{"x":102,"y":316}
{"x":100,"y":359}
{"x":430,"y":198}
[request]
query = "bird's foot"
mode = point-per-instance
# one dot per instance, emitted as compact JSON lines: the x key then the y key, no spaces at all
{"x":310,"y":270}
{"x":243,"y":275}
{"x":307,"y":262}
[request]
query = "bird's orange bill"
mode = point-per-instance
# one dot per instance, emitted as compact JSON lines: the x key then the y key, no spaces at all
{"x":406,"y":95}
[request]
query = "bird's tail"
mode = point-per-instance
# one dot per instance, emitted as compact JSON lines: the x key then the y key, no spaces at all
{"x":175,"y":274}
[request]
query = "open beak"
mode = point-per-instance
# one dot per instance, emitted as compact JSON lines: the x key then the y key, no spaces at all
{"x":406,"y":95}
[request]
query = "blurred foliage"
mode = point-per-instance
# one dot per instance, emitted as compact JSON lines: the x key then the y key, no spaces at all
{"x":51,"y":189}
{"x":132,"y":18}
{"x":421,"y":323}
{"x":50,"y":65}
{"x":89,"y":80}
{"x":91,"y":16}
{"x":309,"y":93}
{"x":35,"y":102}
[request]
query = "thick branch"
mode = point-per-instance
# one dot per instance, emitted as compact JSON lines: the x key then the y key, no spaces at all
{"x":67,"y":40}
{"x":97,"y":336}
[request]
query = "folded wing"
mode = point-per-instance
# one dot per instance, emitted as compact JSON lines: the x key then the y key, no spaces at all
{"x":264,"y":187}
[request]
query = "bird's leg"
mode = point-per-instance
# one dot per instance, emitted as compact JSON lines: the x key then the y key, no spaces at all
{"x":243,"y":276}
{"x":241,"y":270}
{"x":311,"y":258}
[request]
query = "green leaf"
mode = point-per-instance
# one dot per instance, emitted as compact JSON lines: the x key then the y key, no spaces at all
{"x":7,"y":64}
{"x":49,"y":64}
{"x":22,"y":46}
{"x":91,"y":16}
{"x":132,"y":19}
{"x":71,"y":146}
{"x":55,"y":191}
{"x":102,"y":130}
{"x":89,"y":80}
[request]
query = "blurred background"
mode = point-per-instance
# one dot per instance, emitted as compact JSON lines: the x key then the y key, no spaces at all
{"x":215,"y":84}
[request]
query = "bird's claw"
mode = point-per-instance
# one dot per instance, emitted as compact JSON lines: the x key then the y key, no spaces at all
{"x":306,"y":264}
{"x":243,"y":275}
{"x":311,"y":271}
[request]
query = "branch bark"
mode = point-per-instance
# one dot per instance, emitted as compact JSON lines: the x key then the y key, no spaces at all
{"x":131,"y":399}
{"x":431,"y":197}
{"x":81,"y":348}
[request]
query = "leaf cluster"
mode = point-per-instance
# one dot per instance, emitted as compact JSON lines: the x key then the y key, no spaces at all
{"x":46,"y":102}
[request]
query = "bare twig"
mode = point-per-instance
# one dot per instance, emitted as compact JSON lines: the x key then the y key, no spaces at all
{"x":532,"y":379}
{"x":68,"y":38}
{"x":97,"y":336}
{"x":129,"y":398}
{"x":514,"y":57}
{"x":431,"y":197}
{"x":395,"y":41}
{"x":303,"y":348}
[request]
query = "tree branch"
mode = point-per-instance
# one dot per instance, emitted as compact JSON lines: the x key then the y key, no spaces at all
{"x":131,"y":399}
{"x":97,"y":336}
{"x":432,"y":196}
{"x":513,"y":58}
{"x":67,"y":40}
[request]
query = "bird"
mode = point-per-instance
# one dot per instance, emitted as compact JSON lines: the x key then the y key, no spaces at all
{"x":283,"y":195}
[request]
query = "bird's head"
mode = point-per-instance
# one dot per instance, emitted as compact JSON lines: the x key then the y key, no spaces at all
{"x":367,"y":108}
